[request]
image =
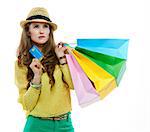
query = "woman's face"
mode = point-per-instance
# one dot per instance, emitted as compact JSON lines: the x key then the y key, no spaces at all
{"x":39,"y":32}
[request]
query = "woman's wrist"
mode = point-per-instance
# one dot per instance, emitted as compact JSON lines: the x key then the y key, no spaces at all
{"x":36,"y":79}
{"x":36,"y":86}
{"x":36,"y":82}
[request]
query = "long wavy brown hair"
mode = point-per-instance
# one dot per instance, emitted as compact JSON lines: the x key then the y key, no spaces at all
{"x":25,"y":58}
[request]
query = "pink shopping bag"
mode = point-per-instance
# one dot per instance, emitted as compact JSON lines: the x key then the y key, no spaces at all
{"x":85,"y":91}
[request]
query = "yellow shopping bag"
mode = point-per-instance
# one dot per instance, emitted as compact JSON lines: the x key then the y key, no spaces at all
{"x":102,"y":80}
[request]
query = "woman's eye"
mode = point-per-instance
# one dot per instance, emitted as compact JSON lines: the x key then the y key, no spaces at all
{"x":36,"y":26}
{"x":46,"y":25}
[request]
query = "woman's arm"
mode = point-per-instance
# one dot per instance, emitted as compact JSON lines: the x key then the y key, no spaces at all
{"x":66,"y":75}
{"x":27,"y":97}
{"x":60,"y":52}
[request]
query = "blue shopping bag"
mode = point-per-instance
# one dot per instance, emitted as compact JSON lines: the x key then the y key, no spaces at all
{"x":113,"y":47}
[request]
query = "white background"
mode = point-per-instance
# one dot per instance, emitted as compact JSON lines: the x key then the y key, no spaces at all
{"x":127,"y":108}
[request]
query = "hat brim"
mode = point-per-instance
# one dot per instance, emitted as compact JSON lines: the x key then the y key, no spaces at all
{"x":53,"y":25}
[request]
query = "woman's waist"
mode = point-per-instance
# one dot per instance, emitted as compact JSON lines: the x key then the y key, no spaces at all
{"x":54,"y":118}
{"x":49,"y":114}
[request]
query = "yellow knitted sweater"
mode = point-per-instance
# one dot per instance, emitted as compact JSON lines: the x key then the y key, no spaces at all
{"x":47,"y":101}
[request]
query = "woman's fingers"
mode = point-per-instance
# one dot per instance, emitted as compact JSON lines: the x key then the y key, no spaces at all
{"x":36,"y":63}
{"x":60,"y":49}
{"x":60,"y":44}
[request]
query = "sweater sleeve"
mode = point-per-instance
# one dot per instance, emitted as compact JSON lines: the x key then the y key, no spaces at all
{"x":27,"y":97}
{"x":66,"y":75}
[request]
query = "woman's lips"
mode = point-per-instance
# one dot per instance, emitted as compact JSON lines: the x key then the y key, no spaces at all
{"x":40,"y":37}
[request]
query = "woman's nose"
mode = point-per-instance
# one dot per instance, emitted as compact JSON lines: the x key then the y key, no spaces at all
{"x":41,"y":30}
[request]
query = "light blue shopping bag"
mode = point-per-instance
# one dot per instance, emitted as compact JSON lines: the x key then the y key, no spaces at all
{"x":113,"y":47}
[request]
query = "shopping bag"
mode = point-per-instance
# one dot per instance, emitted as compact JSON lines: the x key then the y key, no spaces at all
{"x":113,"y":65}
{"x":102,"y":80}
{"x":86,"y":93}
{"x":113,"y":47}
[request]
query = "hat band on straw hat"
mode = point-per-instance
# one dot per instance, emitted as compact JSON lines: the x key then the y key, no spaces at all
{"x":39,"y":17}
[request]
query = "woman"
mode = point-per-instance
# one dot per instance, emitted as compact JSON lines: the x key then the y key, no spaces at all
{"x":44,"y":86}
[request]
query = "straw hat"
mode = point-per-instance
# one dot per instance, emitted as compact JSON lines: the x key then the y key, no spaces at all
{"x":38,"y":14}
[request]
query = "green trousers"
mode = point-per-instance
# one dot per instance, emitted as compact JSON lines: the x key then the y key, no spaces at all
{"x":36,"y":124}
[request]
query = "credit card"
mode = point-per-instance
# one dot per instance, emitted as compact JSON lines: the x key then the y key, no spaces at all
{"x":36,"y":53}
